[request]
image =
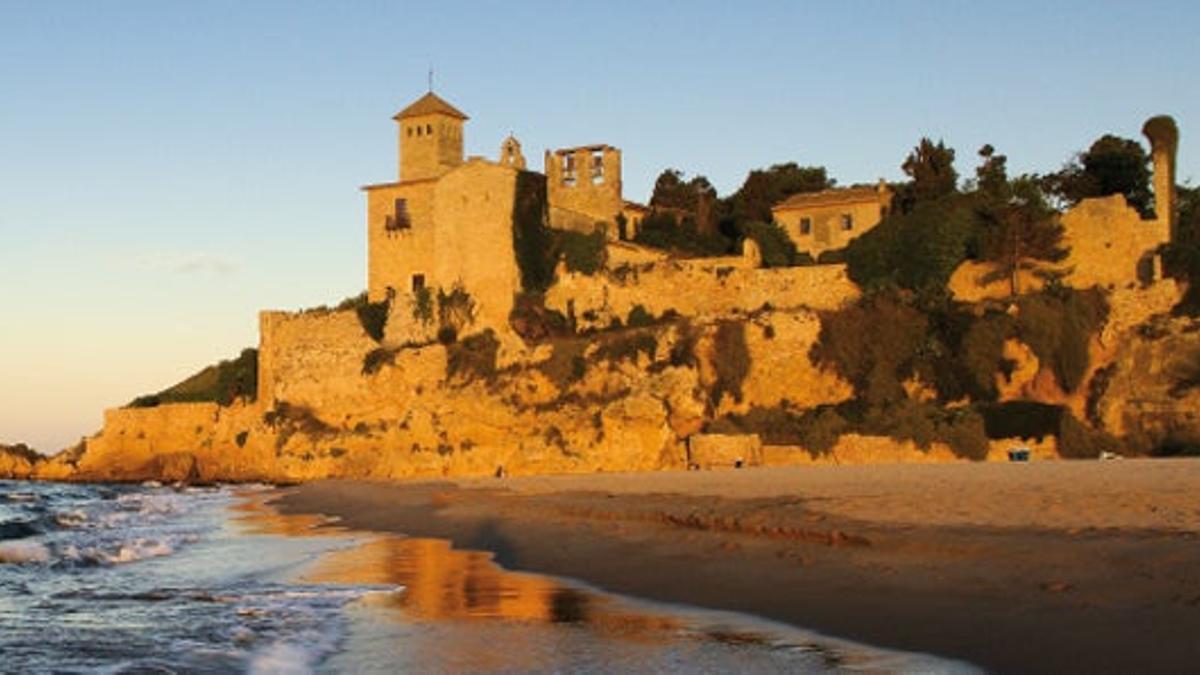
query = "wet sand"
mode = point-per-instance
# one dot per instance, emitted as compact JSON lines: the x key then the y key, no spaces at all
{"x":1041,"y":567}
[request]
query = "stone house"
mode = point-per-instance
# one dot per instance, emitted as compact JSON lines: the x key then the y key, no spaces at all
{"x":830,"y":219}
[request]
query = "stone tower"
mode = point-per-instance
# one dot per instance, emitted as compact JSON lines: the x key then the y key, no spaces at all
{"x":510,"y":153}
{"x":1164,"y":139}
{"x":431,"y":138}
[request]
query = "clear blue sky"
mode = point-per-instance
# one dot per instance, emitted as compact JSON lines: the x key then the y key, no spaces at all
{"x":167,"y":168}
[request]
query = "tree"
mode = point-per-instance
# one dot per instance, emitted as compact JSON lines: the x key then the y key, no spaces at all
{"x":1112,"y":165}
{"x":931,"y":167}
{"x":991,"y":176}
{"x":1017,"y":224}
{"x":764,"y":188}
{"x":673,"y":192}
{"x":695,"y":196}
{"x":917,"y":250}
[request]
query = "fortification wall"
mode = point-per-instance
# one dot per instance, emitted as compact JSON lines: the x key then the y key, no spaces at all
{"x":1110,"y":245}
{"x":702,"y":288}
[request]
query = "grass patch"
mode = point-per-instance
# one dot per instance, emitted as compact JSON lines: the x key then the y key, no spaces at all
{"x":222,"y":383}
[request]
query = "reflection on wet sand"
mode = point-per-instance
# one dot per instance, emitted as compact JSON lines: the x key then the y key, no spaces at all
{"x":441,"y":582}
{"x":459,"y":611}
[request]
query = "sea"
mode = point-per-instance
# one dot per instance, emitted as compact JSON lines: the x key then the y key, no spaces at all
{"x":173,"y":579}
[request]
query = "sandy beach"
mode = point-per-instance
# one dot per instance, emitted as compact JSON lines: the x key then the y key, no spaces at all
{"x":1040,"y":567}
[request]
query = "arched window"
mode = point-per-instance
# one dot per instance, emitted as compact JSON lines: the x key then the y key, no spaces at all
{"x":429,"y":128}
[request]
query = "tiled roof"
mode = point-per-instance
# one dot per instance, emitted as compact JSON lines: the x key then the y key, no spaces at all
{"x":835,"y":196}
{"x":430,"y":104}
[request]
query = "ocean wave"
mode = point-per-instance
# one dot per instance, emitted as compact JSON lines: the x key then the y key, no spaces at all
{"x":119,"y":553}
{"x":73,"y":518}
{"x":283,"y":657}
{"x":21,"y":552}
{"x":18,"y":529}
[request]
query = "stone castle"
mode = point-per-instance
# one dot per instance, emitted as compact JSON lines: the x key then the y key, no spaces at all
{"x":633,"y":383}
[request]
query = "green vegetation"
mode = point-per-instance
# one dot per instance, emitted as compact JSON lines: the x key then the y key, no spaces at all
{"x":423,"y":305}
{"x":639,"y":317}
{"x":1112,"y":165}
{"x":373,"y":317}
{"x":532,"y":239}
{"x":1058,"y":324}
{"x":221,"y":383}
{"x":473,"y":358}
{"x":915,"y":250}
{"x":566,"y":364}
{"x":731,"y":359}
{"x":288,"y":419}
{"x":625,"y":346}
{"x":456,"y":311}
{"x":775,"y":246}
{"x":818,"y":429}
{"x":583,"y":253}
{"x":377,"y":358}
{"x":533,"y":322}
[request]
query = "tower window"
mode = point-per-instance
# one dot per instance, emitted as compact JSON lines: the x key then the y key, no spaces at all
{"x":847,"y":222}
{"x":806,"y":226}
{"x":418,"y":283}
{"x":429,"y":129}
{"x":597,"y":167}
{"x":399,"y":220}
{"x":568,"y":167}
{"x":410,"y":132}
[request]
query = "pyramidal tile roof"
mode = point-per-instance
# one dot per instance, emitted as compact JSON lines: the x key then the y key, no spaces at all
{"x":430,"y":104}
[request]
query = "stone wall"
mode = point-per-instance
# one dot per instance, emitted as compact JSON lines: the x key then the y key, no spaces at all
{"x":702,"y":288}
{"x":1110,"y":245}
{"x":588,"y":194}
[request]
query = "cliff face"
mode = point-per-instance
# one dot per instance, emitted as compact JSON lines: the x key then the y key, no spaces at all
{"x":333,"y":402}
{"x":620,"y":400}
{"x":1150,"y":393}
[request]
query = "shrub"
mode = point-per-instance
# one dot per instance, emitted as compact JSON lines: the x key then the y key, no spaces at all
{"x":221,"y":383}
{"x":776,"y":247}
{"x":626,"y":347}
{"x":873,"y":344}
{"x":917,"y":251}
{"x":377,"y":358}
{"x":533,"y":322}
{"x":423,"y":305}
{"x":817,"y":430}
{"x":473,"y":357}
{"x":289,"y":419}
{"x":1076,"y":440}
{"x":1058,"y":325}
{"x":456,"y":311}
{"x":566,"y":364}
{"x":639,"y":317}
{"x":583,"y":253}
{"x":731,"y":360}
{"x":373,"y":317}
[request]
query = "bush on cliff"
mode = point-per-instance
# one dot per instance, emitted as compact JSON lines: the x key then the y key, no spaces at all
{"x":731,"y":360}
{"x":915,"y":251}
{"x":1058,"y":325}
{"x":531,"y":320}
{"x":582,"y":253}
{"x":774,"y":245}
{"x":532,"y":239}
{"x":473,"y":358}
{"x":873,"y":344}
{"x":221,"y":383}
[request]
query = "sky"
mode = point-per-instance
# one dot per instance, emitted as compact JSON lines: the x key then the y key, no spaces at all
{"x":168,"y":169}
